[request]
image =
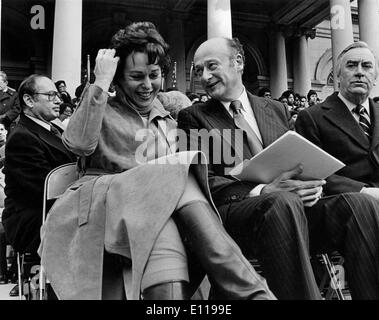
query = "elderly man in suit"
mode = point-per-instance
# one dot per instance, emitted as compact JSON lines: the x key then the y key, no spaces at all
{"x":9,"y":102}
{"x":346,"y":124}
{"x":33,"y":148}
{"x":281,"y":222}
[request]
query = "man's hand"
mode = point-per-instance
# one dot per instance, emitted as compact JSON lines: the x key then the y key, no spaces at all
{"x":371,"y":191}
{"x":308,"y":191}
{"x":105,"y":68}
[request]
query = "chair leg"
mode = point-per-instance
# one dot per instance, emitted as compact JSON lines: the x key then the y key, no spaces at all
{"x":20,"y":287}
{"x":42,"y":284}
{"x":333,"y":276}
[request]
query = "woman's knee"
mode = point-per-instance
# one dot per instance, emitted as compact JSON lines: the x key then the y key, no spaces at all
{"x":191,"y":192}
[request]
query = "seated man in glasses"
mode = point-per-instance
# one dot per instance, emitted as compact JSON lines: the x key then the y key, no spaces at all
{"x":33,"y":148}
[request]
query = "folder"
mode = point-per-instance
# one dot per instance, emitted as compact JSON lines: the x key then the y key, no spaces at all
{"x":284,"y":154}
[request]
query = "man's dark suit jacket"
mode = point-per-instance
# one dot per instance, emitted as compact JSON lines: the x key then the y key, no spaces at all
{"x":332,"y":127}
{"x":31,"y":152}
{"x":273,"y":121}
{"x":9,"y":107}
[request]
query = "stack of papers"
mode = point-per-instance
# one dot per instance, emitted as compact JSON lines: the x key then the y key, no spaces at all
{"x":285,"y":154}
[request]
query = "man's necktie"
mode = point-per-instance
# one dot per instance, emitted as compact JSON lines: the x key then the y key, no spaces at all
{"x":55,"y":131}
{"x":240,"y":122}
{"x":364,"y":120}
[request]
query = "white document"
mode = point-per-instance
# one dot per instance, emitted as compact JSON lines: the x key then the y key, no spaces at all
{"x":284,"y":154}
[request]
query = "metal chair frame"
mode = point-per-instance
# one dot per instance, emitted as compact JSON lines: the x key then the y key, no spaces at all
{"x":56,"y":183}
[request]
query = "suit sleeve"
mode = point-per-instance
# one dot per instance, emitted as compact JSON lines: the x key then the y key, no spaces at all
{"x":26,"y":164}
{"x":307,"y":127}
{"x":186,"y":122}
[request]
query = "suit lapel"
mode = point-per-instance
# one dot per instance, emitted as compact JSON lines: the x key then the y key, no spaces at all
{"x":43,"y":134}
{"x":268,"y":125}
{"x":338,"y":114}
{"x":220,"y":119}
{"x":374,"y":112}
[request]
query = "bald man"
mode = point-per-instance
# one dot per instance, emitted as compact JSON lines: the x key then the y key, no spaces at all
{"x":282,"y":222}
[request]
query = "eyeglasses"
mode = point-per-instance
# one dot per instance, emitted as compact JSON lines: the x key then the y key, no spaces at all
{"x":51,"y":96}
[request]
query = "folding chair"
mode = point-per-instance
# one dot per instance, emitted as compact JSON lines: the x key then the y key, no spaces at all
{"x":333,"y":284}
{"x":56,"y":183}
{"x":330,"y":285}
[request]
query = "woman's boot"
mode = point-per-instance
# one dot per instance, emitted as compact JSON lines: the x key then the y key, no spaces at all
{"x":173,"y":290}
{"x":228,"y":270}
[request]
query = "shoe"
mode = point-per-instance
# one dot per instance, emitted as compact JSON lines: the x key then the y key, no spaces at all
{"x":14,"y":291}
{"x":3,"y":279}
{"x":228,"y":270}
{"x":175,"y":290}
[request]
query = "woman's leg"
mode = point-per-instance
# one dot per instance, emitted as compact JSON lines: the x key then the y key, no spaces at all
{"x":166,"y":273}
{"x":230,"y":273}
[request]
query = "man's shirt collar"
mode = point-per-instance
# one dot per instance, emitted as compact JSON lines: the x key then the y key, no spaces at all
{"x":242,"y":98}
{"x":40,"y":122}
{"x":351,"y":105}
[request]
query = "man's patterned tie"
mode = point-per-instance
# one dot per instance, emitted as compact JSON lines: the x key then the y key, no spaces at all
{"x":364,"y":120}
{"x":240,"y":122}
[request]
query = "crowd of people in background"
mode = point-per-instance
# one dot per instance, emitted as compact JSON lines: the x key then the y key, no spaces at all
{"x":294,"y":102}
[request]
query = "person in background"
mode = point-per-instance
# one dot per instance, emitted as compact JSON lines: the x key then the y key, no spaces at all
{"x":265,"y":93}
{"x":63,"y":94}
{"x":296,"y":101}
{"x":32,"y":150}
{"x":3,"y":241}
{"x":3,"y":138}
{"x":290,"y":95}
{"x":34,"y":147}
{"x":9,"y":103}
{"x":303,"y":103}
{"x":312,"y":97}
{"x":284,"y":101}
{"x":193,"y":97}
{"x":65,"y":112}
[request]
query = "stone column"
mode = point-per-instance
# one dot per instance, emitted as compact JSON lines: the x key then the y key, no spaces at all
{"x":278,"y":64}
{"x":175,"y":38}
{"x":301,"y":75}
{"x":219,"y":18}
{"x":1,"y":5}
{"x":341,"y":29}
{"x":369,"y":28}
{"x":67,"y":43}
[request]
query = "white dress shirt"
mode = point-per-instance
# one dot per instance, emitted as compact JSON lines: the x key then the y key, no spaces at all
{"x":43,"y":124}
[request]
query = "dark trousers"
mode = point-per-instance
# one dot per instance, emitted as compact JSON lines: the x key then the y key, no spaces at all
{"x":282,"y":234}
{"x":3,"y":252}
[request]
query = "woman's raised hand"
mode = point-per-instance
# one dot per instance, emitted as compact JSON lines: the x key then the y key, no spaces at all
{"x":105,"y":68}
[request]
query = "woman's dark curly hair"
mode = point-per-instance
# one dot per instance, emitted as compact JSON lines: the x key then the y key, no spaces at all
{"x":140,"y":37}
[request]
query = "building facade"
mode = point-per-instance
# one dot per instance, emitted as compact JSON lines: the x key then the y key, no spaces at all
{"x":289,"y":44}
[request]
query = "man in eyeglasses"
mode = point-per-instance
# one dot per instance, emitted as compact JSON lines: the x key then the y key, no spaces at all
{"x":33,"y":149}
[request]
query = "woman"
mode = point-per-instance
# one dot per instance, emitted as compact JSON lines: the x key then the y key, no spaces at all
{"x":65,"y":112}
{"x":129,"y":208}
